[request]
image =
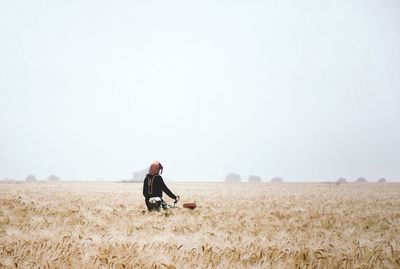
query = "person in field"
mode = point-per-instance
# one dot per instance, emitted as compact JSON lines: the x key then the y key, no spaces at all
{"x":154,"y":186}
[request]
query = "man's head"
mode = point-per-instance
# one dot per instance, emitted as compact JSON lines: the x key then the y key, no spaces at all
{"x":155,"y":168}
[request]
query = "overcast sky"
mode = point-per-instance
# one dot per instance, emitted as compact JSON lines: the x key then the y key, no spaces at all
{"x":304,"y":90}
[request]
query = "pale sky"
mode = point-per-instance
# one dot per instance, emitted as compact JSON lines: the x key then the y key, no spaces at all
{"x":304,"y":90}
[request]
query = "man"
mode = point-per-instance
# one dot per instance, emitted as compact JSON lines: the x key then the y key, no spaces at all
{"x":154,"y":186}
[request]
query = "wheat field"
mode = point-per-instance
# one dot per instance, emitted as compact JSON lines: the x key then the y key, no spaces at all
{"x":240,"y":225}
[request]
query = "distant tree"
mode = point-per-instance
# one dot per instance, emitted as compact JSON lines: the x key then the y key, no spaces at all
{"x":277,"y":180}
{"x":341,"y":181}
{"x":139,"y":176}
{"x":31,"y":178}
{"x":253,"y":178}
{"x":361,"y":180}
{"x":53,"y":178}
{"x":232,"y":177}
{"x":382,"y":180}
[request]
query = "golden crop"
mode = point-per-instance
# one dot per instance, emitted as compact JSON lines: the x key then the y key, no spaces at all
{"x":260,"y":225}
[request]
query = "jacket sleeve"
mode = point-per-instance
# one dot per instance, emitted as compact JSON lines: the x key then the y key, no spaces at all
{"x":166,"y":190}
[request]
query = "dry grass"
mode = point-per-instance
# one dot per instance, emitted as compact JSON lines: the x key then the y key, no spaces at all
{"x":235,"y":225}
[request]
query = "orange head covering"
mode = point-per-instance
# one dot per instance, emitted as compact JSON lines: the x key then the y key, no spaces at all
{"x":155,"y":168}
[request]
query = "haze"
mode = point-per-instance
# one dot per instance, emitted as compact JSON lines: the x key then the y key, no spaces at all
{"x":99,"y":89}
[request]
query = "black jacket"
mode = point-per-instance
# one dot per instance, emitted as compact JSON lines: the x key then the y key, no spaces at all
{"x":153,"y":186}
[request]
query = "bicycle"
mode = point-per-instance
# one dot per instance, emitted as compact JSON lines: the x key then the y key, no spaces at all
{"x":158,"y":203}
